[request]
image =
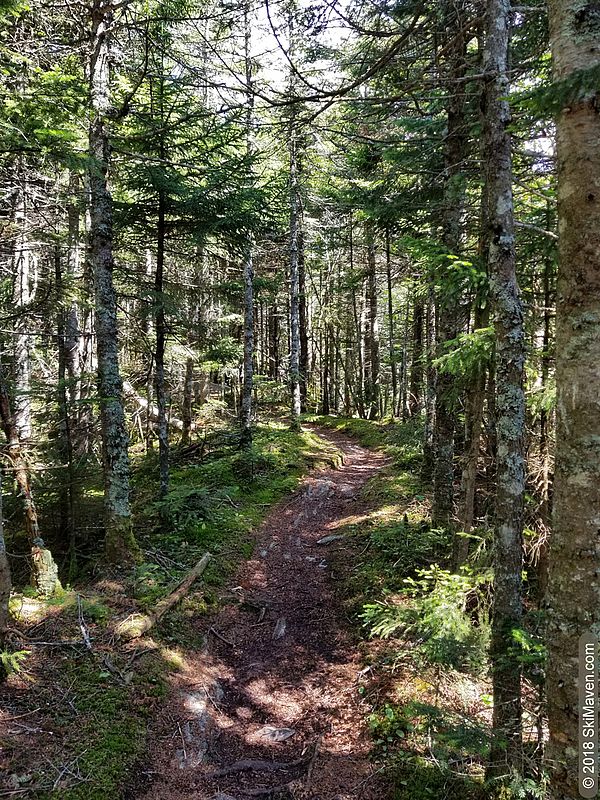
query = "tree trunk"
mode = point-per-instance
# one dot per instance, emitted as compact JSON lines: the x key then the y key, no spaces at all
{"x":416,"y":366}
{"x":358,"y":328}
{"x":120,"y":542}
{"x":476,"y":395}
{"x":20,"y":470}
{"x":448,"y":303}
{"x":510,"y":405}
{"x":574,"y":584}
{"x":248,"y":367}
{"x":372,"y":329}
{"x":430,"y":378}
{"x":303,"y":317}
{"x":5,"y":585}
{"x":73,"y":340}
{"x":391,"y":336}
{"x":296,"y":406}
{"x":273,"y":332}
{"x":188,"y":396}
{"x":159,"y":353}
{"x":22,"y":298}
{"x":67,"y":487}
{"x":545,"y":432}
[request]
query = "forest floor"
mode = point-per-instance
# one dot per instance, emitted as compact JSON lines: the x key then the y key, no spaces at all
{"x":291,"y":670}
{"x":270,"y":707}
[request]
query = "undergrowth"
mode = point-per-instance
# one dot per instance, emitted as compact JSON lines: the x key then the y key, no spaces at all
{"x":215,"y":503}
{"x":101,"y":700}
{"x":425,"y":632}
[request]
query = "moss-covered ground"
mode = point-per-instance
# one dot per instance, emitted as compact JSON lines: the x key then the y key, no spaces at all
{"x":88,"y":710}
{"x":425,"y":686}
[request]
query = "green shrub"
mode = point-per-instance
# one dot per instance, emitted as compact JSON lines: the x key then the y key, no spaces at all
{"x":438,"y":615}
{"x":253,"y":463}
{"x":185,"y":506}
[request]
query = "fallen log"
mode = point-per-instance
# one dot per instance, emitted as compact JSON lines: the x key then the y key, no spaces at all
{"x":151,"y":410}
{"x":138,"y":624}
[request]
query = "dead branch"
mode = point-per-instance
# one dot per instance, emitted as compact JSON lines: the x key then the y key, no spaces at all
{"x":151,"y":410}
{"x":138,"y":624}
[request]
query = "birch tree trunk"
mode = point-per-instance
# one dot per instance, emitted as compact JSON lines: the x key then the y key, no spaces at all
{"x":574,"y":583}
{"x":120,"y":542}
{"x":510,"y":405}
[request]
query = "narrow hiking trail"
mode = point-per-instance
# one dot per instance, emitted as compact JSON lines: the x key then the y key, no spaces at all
{"x":270,"y":707}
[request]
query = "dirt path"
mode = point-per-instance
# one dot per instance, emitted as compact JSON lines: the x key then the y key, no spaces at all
{"x":270,"y":708}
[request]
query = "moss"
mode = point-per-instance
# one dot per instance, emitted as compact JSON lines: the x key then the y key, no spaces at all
{"x":214,"y":505}
{"x":96,"y":611}
{"x":120,"y":545}
{"x":109,"y":728}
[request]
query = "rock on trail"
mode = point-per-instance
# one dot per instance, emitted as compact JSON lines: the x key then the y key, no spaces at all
{"x":270,"y":707}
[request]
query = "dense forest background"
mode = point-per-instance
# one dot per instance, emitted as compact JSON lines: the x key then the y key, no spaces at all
{"x":218,"y":215}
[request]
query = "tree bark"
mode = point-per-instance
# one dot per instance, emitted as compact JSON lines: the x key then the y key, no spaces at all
{"x":391,"y":333}
{"x":248,"y":368}
{"x":295,"y":202}
{"x":506,"y":752}
{"x":358,"y":328}
{"x":430,"y":379}
{"x":448,"y":303}
{"x":159,"y":353}
{"x":372,"y":392}
{"x":302,"y":316}
{"x":574,"y":583}
{"x":20,"y":470}
{"x":273,"y":335}
{"x":186,"y":406}
{"x":67,"y":487}
{"x":416,"y":366}
{"x":120,"y":542}
{"x":545,"y":430}
{"x":5,"y":584}
{"x":138,"y":624}
{"x":22,"y":298}
{"x":474,"y":408}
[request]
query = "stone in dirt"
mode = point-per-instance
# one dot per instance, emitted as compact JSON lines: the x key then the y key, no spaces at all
{"x":333,"y":537}
{"x":280,"y":628}
{"x":346,"y":490}
{"x":196,"y":732}
{"x":276,"y":734}
{"x":321,"y":488}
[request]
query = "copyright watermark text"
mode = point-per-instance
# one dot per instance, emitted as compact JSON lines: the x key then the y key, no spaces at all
{"x":588,"y":715}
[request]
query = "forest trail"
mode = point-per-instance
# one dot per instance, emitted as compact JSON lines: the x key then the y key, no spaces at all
{"x":270,"y":707}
